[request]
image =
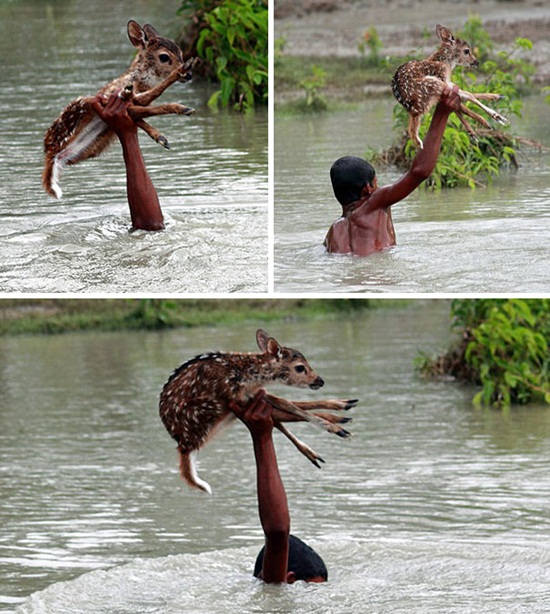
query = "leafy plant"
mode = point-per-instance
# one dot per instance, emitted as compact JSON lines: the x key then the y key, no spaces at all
{"x":503,"y":348}
{"x":232,"y":39}
{"x":279,"y":45}
{"x":311,"y":85}
{"x":371,"y":41}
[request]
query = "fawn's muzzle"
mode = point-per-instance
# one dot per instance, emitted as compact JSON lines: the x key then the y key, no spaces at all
{"x":318,"y":383}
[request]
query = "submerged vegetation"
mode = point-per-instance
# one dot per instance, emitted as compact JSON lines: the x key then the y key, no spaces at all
{"x":502,"y":347}
{"x":231,"y":37}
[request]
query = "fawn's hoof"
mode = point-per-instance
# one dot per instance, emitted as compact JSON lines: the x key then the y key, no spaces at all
{"x":314,"y":461}
{"x":343,"y":433}
{"x":186,"y":110}
{"x":351,"y":403}
{"x":162,"y":140}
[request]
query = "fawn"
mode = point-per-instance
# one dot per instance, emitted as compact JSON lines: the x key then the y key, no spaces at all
{"x":418,"y":84}
{"x":194,"y":402}
{"x":78,"y":133}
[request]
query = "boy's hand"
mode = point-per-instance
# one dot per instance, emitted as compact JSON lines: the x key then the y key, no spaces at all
{"x":256,"y":415}
{"x":451,"y":99}
{"x":113,"y":110}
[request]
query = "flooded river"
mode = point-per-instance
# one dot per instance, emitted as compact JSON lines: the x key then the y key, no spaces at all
{"x":212,"y":183}
{"x":493,"y":239}
{"x":432,"y":506}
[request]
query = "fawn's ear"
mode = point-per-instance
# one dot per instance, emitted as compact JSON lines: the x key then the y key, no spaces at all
{"x":137,"y":36}
{"x":151,"y":33}
{"x":444,"y":34}
{"x":267,"y":343}
{"x":273,"y":348}
{"x":261,"y":339}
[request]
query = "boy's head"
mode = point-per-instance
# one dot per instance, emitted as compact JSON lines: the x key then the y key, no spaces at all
{"x":349,"y":176}
{"x":303,"y":563}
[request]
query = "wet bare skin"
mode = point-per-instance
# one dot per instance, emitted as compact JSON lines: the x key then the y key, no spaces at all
{"x":143,"y":201}
{"x":366,"y":226}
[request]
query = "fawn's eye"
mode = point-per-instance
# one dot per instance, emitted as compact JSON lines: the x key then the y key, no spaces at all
{"x":466,"y":52}
{"x":164,"y":57}
{"x":300,"y":369}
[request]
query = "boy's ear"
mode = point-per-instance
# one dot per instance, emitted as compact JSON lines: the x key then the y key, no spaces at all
{"x":367,"y":190}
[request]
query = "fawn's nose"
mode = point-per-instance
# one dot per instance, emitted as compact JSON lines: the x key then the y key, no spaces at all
{"x":318,"y":383}
{"x":476,"y":63}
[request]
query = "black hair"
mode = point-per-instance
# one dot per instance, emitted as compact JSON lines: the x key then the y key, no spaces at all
{"x":349,"y":175}
{"x":302,"y":560}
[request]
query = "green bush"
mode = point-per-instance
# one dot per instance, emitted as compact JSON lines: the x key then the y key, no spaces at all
{"x":312,"y":84}
{"x":503,"y":348}
{"x":462,"y":161}
{"x":231,"y":36}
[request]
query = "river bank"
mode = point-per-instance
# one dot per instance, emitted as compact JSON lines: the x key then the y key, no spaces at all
{"x":53,"y":316}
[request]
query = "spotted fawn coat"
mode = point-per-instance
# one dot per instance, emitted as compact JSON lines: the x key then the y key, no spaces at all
{"x":418,"y":84}
{"x":195,"y":401}
{"x":78,"y":133}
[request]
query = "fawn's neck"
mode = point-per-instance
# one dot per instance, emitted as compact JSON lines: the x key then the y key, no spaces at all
{"x":444,"y":56}
{"x":139,"y":75}
{"x":255,"y":369}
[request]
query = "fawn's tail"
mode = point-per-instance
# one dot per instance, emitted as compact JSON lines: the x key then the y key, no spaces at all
{"x":50,"y":177}
{"x":188,"y":471}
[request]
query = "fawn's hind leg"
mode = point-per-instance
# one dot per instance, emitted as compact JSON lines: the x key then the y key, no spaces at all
{"x":300,"y":415}
{"x":323,"y":404}
{"x":412,"y":130}
{"x":468,"y":97}
{"x":478,"y":118}
{"x":171,"y":108}
{"x":308,"y":452}
{"x":471,"y":132}
{"x":153,"y":133}
{"x":331,"y":404}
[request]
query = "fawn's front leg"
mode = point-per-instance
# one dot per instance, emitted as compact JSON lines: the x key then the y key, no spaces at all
{"x":178,"y":74}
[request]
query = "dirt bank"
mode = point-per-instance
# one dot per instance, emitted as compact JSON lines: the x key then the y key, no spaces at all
{"x":328,"y":27}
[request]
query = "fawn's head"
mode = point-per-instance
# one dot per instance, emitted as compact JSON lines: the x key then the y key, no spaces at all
{"x":157,"y":57}
{"x":291,"y":366}
{"x":454,"y":51}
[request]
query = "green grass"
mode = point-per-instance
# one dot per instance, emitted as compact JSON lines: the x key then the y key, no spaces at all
{"x":52,"y":316}
{"x":347,"y":75}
